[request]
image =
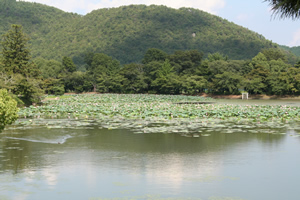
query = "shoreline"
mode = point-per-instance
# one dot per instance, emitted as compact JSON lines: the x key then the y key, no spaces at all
{"x":254,"y":96}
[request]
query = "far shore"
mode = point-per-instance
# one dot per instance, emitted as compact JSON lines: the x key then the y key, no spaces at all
{"x":254,"y":96}
{"x":250,"y":96}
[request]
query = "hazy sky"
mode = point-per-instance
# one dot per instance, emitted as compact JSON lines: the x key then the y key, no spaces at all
{"x":254,"y":15}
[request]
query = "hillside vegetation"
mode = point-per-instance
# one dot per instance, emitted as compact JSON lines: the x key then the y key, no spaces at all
{"x":294,"y":50}
{"x":136,"y":49}
{"x":125,"y":33}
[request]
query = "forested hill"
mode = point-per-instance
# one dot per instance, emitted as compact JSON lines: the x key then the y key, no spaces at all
{"x":126,"y":33}
{"x":294,"y":50}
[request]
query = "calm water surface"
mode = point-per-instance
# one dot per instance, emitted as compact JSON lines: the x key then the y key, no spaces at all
{"x":287,"y":102}
{"x":101,"y":164}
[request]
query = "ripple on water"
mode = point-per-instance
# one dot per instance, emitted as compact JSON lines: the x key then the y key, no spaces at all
{"x":57,"y":140}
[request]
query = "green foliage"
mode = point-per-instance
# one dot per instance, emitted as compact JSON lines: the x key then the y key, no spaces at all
{"x":216,"y":56}
{"x":285,"y":8}
{"x":292,"y":53}
{"x":78,"y":82}
{"x":165,"y":70}
{"x":53,"y":86}
{"x":102,"y":70}
{"x":186,"y":61}
{"x":170,"y":51}
{"x":151,"y":110}
{"x":15,"y":52}
{"x":226,"y":83}
{"x":49,"y":68}
{"x":19,"y":74}
{"x":127,"y":32}
{"x":153,"y":54}
{"x":193,"y":84}
{"x":275,"y":54}
{"x":135,"y":80}
{"x":68,"y":64}
{"x":8,"y":109}
{"x":29,"y":89}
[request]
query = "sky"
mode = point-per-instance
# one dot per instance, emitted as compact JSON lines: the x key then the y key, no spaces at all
{"x":255,"y":15}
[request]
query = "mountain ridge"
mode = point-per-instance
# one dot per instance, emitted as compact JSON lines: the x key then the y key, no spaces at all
{"x":126,"y":32}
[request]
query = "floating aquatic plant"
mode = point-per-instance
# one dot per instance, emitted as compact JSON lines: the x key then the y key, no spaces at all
{"x":156,"y":113}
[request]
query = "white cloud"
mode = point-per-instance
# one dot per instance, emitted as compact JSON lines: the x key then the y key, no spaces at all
{"x":243,"y":17}
{"x":85,"y":6}
{"x":296,"y":39}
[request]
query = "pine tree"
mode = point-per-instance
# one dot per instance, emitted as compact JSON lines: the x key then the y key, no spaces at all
{"x":16,"y":63}
{"x":16,"y":55}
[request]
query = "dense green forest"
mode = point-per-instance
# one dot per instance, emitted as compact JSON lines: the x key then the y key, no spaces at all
{"x":136,"y":49}
{"x":181,"y":72}
{"x":125,"y":33}
{"x":294,"y":50}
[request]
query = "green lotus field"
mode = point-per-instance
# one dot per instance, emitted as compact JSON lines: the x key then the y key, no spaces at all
{"x":157,"y":114}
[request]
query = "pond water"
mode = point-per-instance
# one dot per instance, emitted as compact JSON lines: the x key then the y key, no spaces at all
{"x":287,"y":102}
{"x":95,"y":164}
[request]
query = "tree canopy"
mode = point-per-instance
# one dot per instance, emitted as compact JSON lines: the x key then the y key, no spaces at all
{"x":15,"y":52}
{"x":20,"y":75}
{"x":8,"y":109}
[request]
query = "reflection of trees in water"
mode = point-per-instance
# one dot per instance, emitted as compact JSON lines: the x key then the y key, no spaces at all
{"x":15,"y":155}
{"x":18,"y":155}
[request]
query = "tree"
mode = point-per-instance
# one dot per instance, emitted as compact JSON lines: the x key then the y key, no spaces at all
{"x":285,"y":8}
{"x":216,"y":56}
{"x":78,"y":82}
{"x":29,"y":90}
{"x":274,"y":54}
{"x":165,"y":69}
{"x":194,"y":84}
{"x":16,"y":63}
{"x":186,"y":61}
{"x":227,"y":83}
{"x":53,"y":86}
{"x":8,"y":109}
{"x":134,"y":78}
{"x":256,"y":81}
{"x":50,"y":68}
{"x":16,"y":55}
{"x":153,"y":54}
{"x":101,"y":68}
{"x":68,"y":64}
{"x":167,"y":82}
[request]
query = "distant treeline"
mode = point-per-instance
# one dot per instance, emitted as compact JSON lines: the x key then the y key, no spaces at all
{"x":184,"y":72}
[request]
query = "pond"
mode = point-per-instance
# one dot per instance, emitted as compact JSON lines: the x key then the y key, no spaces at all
{"x":97,"y":163}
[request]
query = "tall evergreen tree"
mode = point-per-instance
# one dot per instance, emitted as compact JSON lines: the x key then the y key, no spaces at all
{"x":16,"y":54}
{"x":16,"y":63}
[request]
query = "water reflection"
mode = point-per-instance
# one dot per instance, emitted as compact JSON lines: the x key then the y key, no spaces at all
{"x":95,"y":163}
